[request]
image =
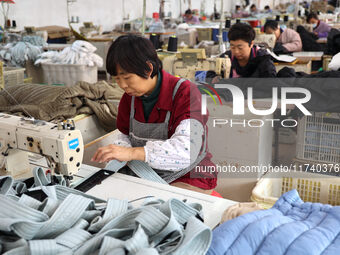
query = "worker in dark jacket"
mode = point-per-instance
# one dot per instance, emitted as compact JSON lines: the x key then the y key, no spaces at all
{"x":248,"y":60}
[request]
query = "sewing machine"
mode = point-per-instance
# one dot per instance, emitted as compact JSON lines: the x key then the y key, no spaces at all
{"x":265,"y":39}
{"x":61,"y":145}
{"x":188,"y":61}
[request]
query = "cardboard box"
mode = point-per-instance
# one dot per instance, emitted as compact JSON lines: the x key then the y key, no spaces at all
{"x":55,"y":31}
{"x":204,"y":34}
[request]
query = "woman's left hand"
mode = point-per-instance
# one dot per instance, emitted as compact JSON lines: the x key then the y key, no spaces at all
{"x":120,"y":153}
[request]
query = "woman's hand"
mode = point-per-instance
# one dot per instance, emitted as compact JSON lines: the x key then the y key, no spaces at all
{"x":120,"y":153}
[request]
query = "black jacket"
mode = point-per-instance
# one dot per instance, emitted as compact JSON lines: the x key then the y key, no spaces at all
{"x":308,"y":40}
{"x":260,"y":65}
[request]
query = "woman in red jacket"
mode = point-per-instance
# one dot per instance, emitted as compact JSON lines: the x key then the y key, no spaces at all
{"x":159,"y":117}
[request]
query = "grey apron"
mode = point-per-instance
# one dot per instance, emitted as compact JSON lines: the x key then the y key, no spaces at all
{"x":140,"y":133}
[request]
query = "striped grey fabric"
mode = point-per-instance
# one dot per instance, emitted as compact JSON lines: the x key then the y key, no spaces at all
{"x":71,"y":222}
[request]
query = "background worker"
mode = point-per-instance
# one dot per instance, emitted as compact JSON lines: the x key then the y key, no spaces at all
{"x":287,"y":40}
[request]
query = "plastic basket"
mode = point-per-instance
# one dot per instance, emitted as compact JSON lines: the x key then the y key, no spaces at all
{"x":311,"y":187}
{"x":69,"y":75}
{"x":13,"y":76}
{"x":318,"y":138}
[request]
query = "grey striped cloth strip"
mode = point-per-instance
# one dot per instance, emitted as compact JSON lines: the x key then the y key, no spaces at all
{"x":140,"y":168}
{"x":144,"y":171}
{"x":71,"y":222}
{"x":6,"y":184}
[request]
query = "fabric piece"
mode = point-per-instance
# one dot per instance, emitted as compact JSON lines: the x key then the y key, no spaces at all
{"x":79,"y":53}
{"x":289,"y":227}
{"x":17,"y":53}
{"x":144,"y":171}
{"x":333,"y":42}
{"x":47,"y":102}
{"x":334,"y":65}
{"x":6,"y":183}
{"x":238,"y":210}
{"x":308,"y":39}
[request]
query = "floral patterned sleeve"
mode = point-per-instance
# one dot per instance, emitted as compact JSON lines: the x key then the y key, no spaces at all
{"x":177,"y":152}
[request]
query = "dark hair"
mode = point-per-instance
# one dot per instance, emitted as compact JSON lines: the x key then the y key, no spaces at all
{"x":237,"y":6}
{"x":267,"y":7}
{"x":241,"y":31}
{"x":253,"y":5}
{"x":312,"y":15}
{"x":271,"y":24}
{"x":188,"y":12}
{"x":132,"y":53}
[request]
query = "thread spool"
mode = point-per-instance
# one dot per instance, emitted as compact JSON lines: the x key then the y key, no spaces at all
{"x":285,"y":18}
{"x":154,"y":38}
{"x":227,"y":23}
{"x":172,"y":45}
{"x":277,"y":18}
{"x":8,"y":23}
{"x":14,"y":23}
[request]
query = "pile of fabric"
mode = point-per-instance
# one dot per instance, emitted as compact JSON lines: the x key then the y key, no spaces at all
{"x":17,"y":53}
{"x":335,"y":63}
{"x":80,"y":52}
{"x":289,"y":227}
{"x":58,"y":103}
{"x":68,"y":221}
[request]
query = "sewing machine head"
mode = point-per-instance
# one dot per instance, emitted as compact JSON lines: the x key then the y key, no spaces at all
{"x":61,"y":145}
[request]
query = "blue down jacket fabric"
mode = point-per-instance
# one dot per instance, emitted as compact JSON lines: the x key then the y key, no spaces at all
{"x":290,"y":227}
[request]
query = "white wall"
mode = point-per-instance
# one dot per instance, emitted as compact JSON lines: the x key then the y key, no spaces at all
{"x":101,"y":12}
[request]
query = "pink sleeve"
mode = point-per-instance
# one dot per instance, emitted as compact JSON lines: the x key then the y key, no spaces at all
{"x":292,"y":41}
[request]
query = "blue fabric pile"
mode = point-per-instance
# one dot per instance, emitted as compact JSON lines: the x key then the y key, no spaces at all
{"x":290,"y":227}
